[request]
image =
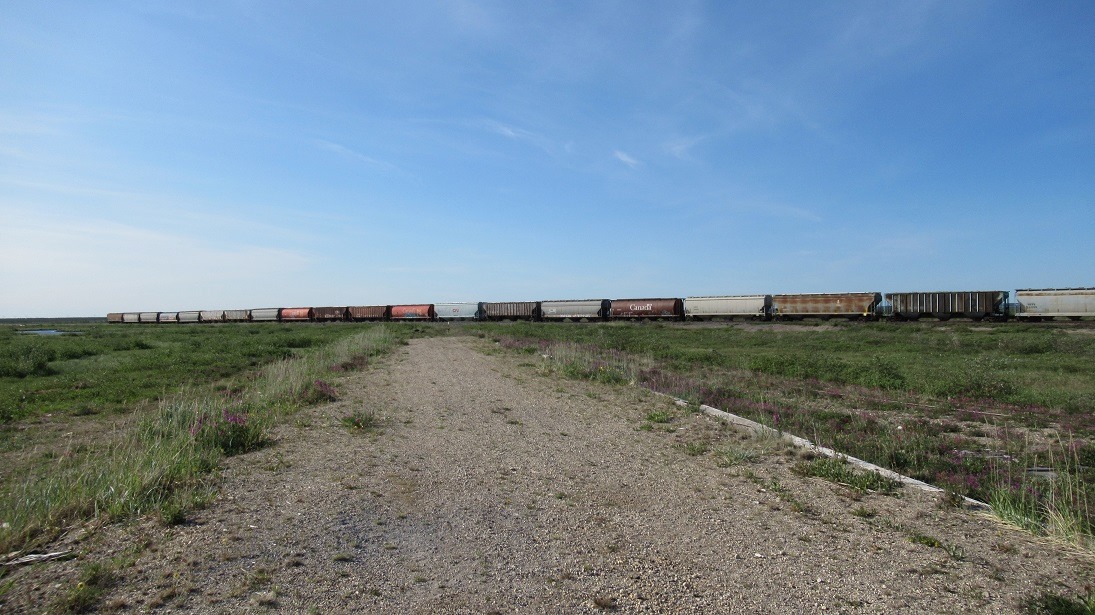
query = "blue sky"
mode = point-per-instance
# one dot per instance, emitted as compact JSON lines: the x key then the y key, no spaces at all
{"x":179,"y":155}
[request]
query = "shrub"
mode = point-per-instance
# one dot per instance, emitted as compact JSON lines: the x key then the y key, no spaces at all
{"x":22,"y":360}
{"x":230,"y":432}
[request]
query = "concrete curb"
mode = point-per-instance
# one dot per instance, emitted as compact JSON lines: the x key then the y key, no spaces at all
{"x":758,"y":428}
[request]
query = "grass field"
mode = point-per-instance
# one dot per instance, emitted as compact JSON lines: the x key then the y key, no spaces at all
{"x":103,"y":368}
{"x":120,"y":421}
{"x":1000,"y":413}
{"x":970,"y":407}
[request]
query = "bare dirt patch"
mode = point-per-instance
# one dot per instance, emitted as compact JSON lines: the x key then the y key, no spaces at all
{"x":489,"y":487}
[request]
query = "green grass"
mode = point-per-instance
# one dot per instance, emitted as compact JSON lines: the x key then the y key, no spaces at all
{"x":95,"y":578}
{"x":361,"y":420}
{"x":1045,"y":365}
{"x":838,"y":471}
{"x":108,"y":368}
{"x":161,"y":459}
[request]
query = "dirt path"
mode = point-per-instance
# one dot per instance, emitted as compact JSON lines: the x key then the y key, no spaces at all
{"x":493,"y":488}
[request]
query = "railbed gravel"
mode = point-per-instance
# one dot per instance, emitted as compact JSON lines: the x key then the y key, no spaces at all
{"x":493,"y":486}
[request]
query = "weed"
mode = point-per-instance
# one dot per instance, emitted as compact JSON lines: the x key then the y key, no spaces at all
{"x":659,"y":416}
{"x":695,"y":449}
{"x":951,"y":499}
{"x":927,"y":541}
{"x":865,"y":513}
{"x":95,"y":579}
{"x":322,"y":391}
{"x":838,"y":471}
{"x":737,"y":455}
{"x":361,"y":420}
{"x":232,"y":431}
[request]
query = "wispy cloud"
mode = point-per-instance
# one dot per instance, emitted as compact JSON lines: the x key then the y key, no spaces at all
{"x":681,"y":146}
{"x":342,"y":150}
{"x":625,"y":158}
{"x":519,"y":134}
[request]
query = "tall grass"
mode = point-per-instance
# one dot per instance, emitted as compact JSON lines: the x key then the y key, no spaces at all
{"x":162,"y":461}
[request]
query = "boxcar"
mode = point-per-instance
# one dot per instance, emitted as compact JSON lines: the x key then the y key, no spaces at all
{"x":423,"y":311}
{"x":168,"y":317}
{"x":825,"y":305}
{"x":264,"y":314}
{"x":1039,"y":303}
{"x":329,"y":313}
{"x":646,"y":308}
{"x":737,"y":306}
{"x":368,"y":312}
{"x":458,"y":310}
{"x":190,"y":316}
{"x":212,"y":315}
{"x":237,"y":315}
{"x":294,"y":314}
{"x":974,"y":304}
{"x":511,"y":310}
{"x":115,"y":317}
{"x":574,"y":309}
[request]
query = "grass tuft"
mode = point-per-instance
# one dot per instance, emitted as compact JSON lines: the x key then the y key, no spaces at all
{"x":361,"y":420}
{"x":839,"y":471}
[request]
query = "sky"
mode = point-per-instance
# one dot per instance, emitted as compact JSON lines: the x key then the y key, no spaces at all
{"x":172,"y":155}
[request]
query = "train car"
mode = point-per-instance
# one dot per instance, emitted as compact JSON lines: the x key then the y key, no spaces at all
{"x":646,"y":308}
{"x":237,"y":315}
{"x":212,"y":315}
{"x":943,"y":305}
{"x":423,"y":311}
{"x":265,"y":314}
{"x":756,"y":307}
{"x":825,"y":305}
{"x":115,"y":317}
{"x":574,"y":309}
{"x":1048,"y":303}
{"x":368,"y":312}
{"x":168,"y":317}
{"x":295,"y":314}
{"x":511,"y":310}
{"x":131,"y":317}
{"x":458,"y":310}
{"x":148,"y":317}
{"x":329,"y":314}
{"x":190,"y":316}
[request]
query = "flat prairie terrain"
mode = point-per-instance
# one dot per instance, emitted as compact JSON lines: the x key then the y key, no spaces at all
{"x":488,"y":485}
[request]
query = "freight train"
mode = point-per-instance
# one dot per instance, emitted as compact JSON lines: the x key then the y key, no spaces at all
{"x":1034,"y":304}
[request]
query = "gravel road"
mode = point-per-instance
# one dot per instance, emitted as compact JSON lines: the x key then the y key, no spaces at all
{"x":493,"y":487}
